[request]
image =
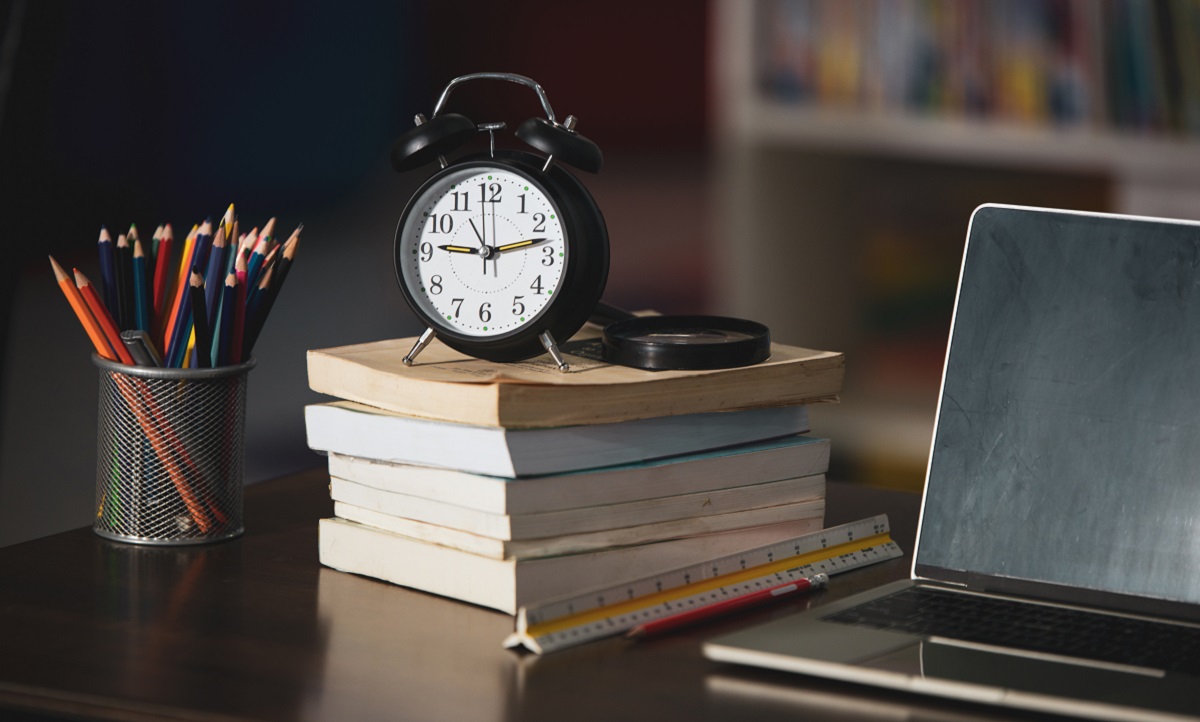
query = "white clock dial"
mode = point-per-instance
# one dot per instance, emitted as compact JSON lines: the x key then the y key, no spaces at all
{"x":483,"y":251}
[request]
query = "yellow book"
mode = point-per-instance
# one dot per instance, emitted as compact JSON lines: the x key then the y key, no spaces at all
{"x":448,"y":386}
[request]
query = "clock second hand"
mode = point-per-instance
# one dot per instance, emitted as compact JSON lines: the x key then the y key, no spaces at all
{"x":495,"y":256}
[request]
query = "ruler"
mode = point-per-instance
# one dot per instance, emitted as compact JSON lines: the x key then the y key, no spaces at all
{"x":567,"y":622}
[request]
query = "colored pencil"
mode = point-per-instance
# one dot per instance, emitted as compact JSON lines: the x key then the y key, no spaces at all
{"x":254,"y":265}
{"x":171,"y":306}
{"x":728,"y":606}
{"x":181,"y":327}
{"x":141,"y":401}
{"x":108,"y":268}
{"x":107,"y":326}
{"x":224,"y":331}
{"x":123,"y":313}
{"x":280,"y":275}
{"x":214,"y":274}
{"x":79,"y":306}
{"x":239,"y":314}
{"x":162,"y":261}
{"x":142,"y":302}
{"x":200,"y":320}
{"x":227,"y":221}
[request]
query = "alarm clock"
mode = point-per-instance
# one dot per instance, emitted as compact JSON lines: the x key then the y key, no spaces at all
{"x":503,"y":253}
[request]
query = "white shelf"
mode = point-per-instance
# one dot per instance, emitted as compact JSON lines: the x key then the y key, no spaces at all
{"x":1124,"y":155}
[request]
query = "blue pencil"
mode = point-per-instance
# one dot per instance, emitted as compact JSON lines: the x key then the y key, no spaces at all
{"x":224,"y":326}
{"x":108,"y":270}
{"x":216,"y":272}
{"x":142,"y":303}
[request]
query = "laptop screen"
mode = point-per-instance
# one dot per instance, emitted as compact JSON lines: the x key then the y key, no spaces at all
{"x":1067,"y":447}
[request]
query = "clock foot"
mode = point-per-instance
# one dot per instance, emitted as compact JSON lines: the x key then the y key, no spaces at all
{"x":552,"y":349}
{"x":419,"y":346}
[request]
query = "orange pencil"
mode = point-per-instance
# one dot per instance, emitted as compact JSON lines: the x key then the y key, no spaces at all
{"x":176,"y":292}
{"x":137,"y":397}
{"x":79,"y":306}
{"x":102,"y":316}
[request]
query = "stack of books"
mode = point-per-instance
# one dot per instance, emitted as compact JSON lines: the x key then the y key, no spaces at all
{"x":508,"y":484}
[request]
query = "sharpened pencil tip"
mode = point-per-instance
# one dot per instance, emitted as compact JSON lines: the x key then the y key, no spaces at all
{"x":59,"y":273}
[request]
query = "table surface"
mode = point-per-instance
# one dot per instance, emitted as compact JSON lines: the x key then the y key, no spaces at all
{"x":256,"y":628}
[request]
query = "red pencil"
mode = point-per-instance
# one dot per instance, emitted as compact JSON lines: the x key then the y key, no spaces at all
{"x":102,"y":316}
{"x":753,"y":599}
{"x":162,"y":262}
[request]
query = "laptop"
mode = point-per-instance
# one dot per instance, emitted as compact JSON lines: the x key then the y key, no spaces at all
{"x":1057,"y":561}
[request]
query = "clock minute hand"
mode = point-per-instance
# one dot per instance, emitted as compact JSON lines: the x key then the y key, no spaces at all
{"x":520,"y":244}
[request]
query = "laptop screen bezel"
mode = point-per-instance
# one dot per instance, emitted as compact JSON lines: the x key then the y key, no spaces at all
{"x":1045,"y":591}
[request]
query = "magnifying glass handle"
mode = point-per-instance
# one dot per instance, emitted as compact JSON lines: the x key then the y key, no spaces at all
{"x":605,"y":314}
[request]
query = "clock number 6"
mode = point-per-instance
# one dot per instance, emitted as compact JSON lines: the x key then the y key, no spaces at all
{"x":485,"y":313}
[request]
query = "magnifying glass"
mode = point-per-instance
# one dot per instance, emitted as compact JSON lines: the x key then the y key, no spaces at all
{"x":680,"y":342}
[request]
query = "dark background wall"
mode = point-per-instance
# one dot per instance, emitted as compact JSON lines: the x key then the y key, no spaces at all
{"x":148,"y":112}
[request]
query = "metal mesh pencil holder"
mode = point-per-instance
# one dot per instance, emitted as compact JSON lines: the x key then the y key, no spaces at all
{"x":169,"y":454}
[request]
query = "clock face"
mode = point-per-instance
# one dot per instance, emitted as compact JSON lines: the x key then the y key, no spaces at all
{"x":482,"y":251}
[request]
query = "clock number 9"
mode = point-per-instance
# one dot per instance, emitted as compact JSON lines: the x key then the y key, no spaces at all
{"x":426,"y":251}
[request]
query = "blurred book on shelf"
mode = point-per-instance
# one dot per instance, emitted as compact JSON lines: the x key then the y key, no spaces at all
{"x":1115,"y":65}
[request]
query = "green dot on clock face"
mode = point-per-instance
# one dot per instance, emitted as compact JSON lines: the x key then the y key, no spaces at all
{"x":449,"y":318}
{"x":522,"y":319}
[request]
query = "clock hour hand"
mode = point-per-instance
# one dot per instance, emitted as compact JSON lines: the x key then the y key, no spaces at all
{"x":460,"y":249}
{"x":520,"y":244}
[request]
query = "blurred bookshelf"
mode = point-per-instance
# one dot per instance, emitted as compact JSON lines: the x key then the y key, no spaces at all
{"x":854,"y":137}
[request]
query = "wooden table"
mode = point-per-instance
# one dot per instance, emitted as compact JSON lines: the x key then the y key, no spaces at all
{"x":255,"y":628}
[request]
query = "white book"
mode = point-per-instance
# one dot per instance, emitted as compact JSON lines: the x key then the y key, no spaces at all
{"x":754,"y":463}
{"x":507,"y":584}
{"x":654,"y":518}
{"x":801,"y":513}
{"x":353,"y":429}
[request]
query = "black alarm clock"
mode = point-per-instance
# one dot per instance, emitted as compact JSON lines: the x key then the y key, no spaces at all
{"x":503,"y":253}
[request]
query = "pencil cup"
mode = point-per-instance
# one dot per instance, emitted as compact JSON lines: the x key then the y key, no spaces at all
{"x":170,"y":453}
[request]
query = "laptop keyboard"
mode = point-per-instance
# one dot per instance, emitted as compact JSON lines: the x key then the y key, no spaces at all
{"x":1031,"y":627}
